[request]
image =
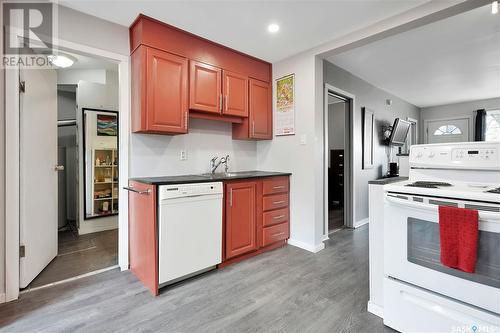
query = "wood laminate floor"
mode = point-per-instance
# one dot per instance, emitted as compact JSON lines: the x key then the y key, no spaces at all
{"x":78,"y":255}
{"x":286,"y":290}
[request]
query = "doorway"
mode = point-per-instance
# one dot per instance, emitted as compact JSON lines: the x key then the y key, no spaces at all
{"x":338,"y":159}
{"x":76,"y":131}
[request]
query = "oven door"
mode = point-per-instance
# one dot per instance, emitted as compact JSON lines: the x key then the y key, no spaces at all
{"x":412,"y":249}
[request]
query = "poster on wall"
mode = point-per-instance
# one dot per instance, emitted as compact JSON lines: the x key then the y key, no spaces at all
{"x":284,"y":116}
{"x":107,"y":125}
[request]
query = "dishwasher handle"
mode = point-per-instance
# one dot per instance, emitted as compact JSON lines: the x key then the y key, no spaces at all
{"x":131,"y":189}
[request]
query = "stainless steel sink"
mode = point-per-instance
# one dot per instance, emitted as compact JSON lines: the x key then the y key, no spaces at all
{"x":223,"y":175}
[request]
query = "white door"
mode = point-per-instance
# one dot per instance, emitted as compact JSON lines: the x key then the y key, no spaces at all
{"x":449,"y":130}
{"x":38,"y":173}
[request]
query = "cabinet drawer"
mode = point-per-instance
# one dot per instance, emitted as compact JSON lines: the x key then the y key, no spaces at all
{"x":275,"y":185}
{"x":275,"y":201}
{"x":275,"y":233}
{"x":275,"y":217}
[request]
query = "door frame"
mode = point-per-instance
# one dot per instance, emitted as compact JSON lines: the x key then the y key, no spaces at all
{"x":469,"y":123}
{"x":349,"y":198}
{"x":12,"y":147}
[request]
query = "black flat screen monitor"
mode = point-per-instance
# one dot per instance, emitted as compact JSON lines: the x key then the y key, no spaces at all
{"x":399,"y":132}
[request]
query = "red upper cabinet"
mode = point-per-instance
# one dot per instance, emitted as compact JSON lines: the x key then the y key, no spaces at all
{"x":260,"y":121}
{"x":174,"y":71}
{"x":159,"y":92}
{"x":241,"y":219}
{"x":205,"y":87}
{"x":235,"y":91}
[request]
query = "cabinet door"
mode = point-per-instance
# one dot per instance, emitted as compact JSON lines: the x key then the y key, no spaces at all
{"x":261,"y":117}
{"x":205,"y":87}
{"x":167,"y":92}
{"x":241,"y":222}
{"x":235,"y":90}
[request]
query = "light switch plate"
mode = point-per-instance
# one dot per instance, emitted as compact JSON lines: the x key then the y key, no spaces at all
{"x":303,"y":139}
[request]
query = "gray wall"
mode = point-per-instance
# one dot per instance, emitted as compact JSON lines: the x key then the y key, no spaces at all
{"x":374,"y":98}
{"x":457,"y":110}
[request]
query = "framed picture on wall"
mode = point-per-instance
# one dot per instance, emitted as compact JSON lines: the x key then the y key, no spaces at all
{"x":284,"y":114}
{"x":368,"y":137}
{"x":107,"y":125}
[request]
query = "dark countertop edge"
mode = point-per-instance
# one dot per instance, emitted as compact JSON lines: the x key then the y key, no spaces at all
{"x":171,"y":180}
{"x":388,"y":180}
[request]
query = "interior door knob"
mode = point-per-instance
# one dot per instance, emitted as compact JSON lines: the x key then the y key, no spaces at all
{"x":59,"y":168}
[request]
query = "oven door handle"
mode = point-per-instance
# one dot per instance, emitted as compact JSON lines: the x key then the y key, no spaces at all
{"x":483,"y":216}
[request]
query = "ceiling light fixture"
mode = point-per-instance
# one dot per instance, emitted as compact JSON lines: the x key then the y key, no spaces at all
{"x":494,"y":7}
{"x":273,"y":28}
{"x":61,"y":60}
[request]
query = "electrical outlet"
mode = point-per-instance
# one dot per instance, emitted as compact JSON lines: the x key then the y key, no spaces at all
{"x":184,"y":155}
{"x":303,"y":139}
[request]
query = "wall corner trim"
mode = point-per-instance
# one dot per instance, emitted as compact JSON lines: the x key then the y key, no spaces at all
{"x":360,"y":223}
{"x":375,"y":309}
{"x":306,"y":246}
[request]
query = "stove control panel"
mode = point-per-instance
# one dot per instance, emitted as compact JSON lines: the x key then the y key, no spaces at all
{"x":464,"y":155}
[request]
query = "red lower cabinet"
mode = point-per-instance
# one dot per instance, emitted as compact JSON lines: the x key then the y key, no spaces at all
{"x":241,"y":218}
{"x":256,"y":217}
{"x":143,"y":245}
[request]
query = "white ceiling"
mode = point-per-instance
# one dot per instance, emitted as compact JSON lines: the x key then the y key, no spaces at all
{"x":450,"y":61}
{"x":242,"y":25}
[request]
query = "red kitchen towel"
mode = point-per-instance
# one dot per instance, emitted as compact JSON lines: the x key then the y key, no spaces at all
{"x":458,"y":234}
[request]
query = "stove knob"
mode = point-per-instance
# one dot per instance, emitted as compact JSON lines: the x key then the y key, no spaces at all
{"x":431,"y":155}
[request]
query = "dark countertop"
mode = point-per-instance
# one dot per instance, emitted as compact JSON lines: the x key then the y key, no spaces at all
{"x":205,"y":178}
{"x":387,"y":180}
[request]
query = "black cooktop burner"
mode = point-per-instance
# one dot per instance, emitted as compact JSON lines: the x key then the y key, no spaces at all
{"x":495,"y":190}
{"x":426,"y":184}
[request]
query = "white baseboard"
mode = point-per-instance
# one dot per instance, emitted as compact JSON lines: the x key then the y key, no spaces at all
{"x":376,"y":309}
{"x":360,"y":223}
{"x":305,"y":246}
{"x":325,"y":238}
{"x":2,"y":298}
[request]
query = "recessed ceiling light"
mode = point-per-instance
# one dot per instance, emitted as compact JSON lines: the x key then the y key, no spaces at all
{"x":61,"y":60}
{"x":494,"y":7}
{"x":273,"y":28}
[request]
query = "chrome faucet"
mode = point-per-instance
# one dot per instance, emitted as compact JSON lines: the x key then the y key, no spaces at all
{"x":215,"y":164}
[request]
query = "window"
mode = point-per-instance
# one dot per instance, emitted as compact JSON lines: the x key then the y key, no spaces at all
{"x":448,"y":130}
{"x":492,"y":125}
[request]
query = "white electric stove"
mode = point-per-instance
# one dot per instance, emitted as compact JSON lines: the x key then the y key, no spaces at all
{"x":420,"y":294}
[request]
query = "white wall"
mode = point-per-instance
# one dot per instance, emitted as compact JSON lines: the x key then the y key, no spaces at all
{"x":285,"y":153}
{"x":159,"y":155}
{"x":457,"y":110}
{"x":2,"y":171}
{"x":72,"y":76}
{"x":374,"y":98}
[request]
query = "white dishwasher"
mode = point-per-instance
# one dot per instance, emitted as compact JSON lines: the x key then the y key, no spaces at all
{"x":189,"y":230}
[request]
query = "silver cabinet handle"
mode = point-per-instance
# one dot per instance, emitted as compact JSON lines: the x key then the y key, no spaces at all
{"x":278,"y":217}
{"x":231,"y":198}
{"x":59,"y":168}
{"x":225,"y":103}
{"x":220,"y":102}
{"x":186,"y":120}
{"x":253,"y":127}
{"x":279,"y":202}
{"x":146,"y":192}
{"x":278,"y":234}
{"x":278,"y":187}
